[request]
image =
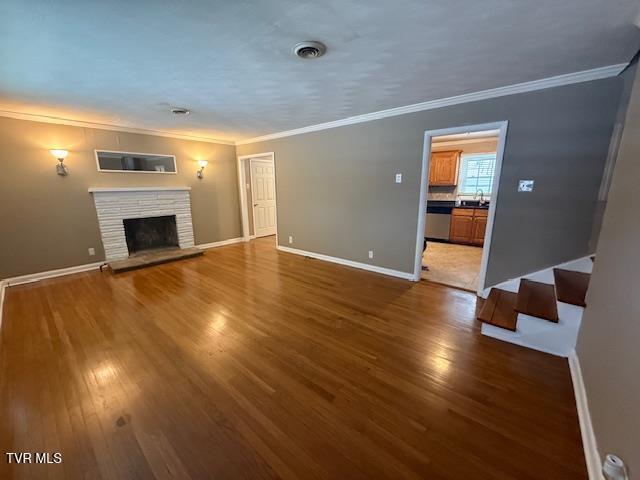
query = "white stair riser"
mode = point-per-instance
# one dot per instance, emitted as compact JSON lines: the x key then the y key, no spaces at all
{"x":539,"y":334}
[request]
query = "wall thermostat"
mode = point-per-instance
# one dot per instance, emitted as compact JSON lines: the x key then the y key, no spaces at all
{"x":525,"y":186}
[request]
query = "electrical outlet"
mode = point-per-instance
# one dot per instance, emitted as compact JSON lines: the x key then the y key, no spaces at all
{"x":525,"y":186}
{"x":290,"y":239}
{"x":370,"y":253}
{"x":398,"y":178}
{"x":92,"y":251}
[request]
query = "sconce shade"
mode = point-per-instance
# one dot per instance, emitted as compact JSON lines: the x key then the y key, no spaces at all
{"x":202,"y":164}
{"x":59,"y":154}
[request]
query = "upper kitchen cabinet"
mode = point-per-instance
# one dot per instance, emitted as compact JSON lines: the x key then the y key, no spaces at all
{"x":443,"y":168}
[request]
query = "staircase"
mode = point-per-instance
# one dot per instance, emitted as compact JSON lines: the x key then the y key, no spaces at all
{"x":542,"y":310}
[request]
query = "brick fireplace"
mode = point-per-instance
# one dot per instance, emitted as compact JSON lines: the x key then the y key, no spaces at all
{"x":115,"y":205}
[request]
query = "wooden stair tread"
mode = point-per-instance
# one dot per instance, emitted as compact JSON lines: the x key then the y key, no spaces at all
{"x":571,"y":287}
{"x":498,"y":309}
{"x":538,"y":300}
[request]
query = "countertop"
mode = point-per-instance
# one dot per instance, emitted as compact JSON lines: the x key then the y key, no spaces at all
{"x":451,"y":204}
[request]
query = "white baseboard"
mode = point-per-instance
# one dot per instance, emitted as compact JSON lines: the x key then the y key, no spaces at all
{"x":349,"y":263}
{"x":589,"y":443}
{"x":34,"y":277}
{"x":221,"y":243}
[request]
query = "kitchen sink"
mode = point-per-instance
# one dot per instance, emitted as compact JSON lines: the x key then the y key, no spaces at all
{"x":473,"y":203}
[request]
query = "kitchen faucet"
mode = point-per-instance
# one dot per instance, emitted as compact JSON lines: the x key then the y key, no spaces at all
{"x":481,"y":203}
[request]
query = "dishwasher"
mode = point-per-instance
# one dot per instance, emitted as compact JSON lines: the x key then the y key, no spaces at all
{"x":438,"y":220}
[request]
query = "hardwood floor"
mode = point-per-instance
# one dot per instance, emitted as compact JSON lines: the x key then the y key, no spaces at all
{"x":252,"y":363}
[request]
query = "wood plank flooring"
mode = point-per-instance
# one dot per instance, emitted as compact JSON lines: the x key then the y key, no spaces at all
{"x":252,"y":363}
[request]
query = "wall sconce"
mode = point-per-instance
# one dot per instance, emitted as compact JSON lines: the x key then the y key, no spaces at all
{"x":61,"y":168}
{"x":202,"y":164}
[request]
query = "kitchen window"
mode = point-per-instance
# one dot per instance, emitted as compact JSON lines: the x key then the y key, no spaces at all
{"x":476,"y":173}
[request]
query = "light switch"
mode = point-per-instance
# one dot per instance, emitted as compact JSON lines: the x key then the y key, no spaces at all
{"x":525,"y":186}
{"x":398,"y":178}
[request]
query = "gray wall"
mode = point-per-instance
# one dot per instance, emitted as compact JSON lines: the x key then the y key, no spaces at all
{"x":49,"y":222}
{"x":608,"y":344}
{"x":337,"y":196}
{"x":627,"y":78}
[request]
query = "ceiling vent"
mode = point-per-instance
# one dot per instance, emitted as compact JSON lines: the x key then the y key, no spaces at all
{"x":180,"y":111}
{"x":308,"y":50}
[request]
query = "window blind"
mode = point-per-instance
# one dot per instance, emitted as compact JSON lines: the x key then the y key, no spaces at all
{"x":476,"y":173}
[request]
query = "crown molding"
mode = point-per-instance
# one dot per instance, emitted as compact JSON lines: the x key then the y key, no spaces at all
{"x":550,"y":82}
{"x":544,"y":83}
{"x":103,"y":126}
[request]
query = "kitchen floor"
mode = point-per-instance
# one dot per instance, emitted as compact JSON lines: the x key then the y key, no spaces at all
{"x":454,"y":265}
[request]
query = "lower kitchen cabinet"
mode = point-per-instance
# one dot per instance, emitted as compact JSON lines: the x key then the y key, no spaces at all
{"x":479,"y":228}
{"x":468,"y":225}
{"x":461,"y":230}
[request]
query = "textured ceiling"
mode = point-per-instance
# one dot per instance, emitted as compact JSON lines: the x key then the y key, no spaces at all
{"x":230,"y":62}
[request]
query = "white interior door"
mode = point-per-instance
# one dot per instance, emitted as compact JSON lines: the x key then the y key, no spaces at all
{"x":263,"y":190}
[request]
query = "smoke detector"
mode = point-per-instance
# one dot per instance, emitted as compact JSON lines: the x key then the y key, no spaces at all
{"x":309,"y":50}
{"x":180,"y":111}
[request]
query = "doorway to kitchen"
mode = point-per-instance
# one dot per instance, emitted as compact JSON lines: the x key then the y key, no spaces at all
{"x":257,"y":183}
{"x":459,"y":190}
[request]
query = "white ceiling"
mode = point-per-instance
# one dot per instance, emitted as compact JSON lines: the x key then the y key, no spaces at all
{"x":125,"y":62}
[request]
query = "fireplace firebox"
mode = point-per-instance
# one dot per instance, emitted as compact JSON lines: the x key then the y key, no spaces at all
{"x":150,"y":233}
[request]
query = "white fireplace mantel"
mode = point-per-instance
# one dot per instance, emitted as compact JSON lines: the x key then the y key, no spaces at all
{"x":136,"y":189}
{"x":114,"y":205}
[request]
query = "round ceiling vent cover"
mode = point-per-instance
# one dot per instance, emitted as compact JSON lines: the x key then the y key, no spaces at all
{"x":180,"y":111}
{"x":309,"y":49}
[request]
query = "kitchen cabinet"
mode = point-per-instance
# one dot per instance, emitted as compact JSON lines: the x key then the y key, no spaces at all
{"x":468,"y":225}
{"x":479,"y":228}
{"x":461,"y":230}
{"x":443,"y":168}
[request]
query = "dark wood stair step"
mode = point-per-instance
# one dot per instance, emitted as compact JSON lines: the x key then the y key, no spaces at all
{"x":538,"y":300}
{"x":498,"y":309}
{"x":571,"y":287}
